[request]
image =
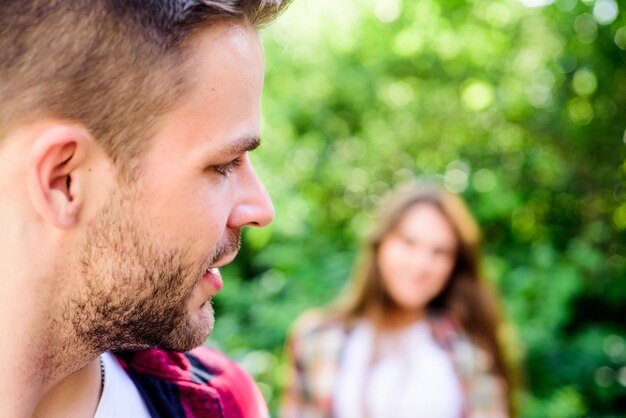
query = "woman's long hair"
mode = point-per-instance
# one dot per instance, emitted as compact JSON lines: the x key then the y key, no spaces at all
{"x":465,"y":298}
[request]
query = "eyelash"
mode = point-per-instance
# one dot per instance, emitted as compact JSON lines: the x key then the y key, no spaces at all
{"x":229,"y":167}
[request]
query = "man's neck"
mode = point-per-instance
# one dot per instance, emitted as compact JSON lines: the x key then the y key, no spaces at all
{"x":43,"y":368}
{"x":77,"y":395}
{"x":37,"y":383}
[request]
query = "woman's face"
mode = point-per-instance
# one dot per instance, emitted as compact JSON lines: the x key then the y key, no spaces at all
{"x":417,"y":257}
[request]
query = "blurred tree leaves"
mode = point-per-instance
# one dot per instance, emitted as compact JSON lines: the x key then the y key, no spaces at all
{"x":520,"y":109}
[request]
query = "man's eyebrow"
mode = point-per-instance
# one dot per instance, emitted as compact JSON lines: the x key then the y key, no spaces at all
{"x":243,"y":145}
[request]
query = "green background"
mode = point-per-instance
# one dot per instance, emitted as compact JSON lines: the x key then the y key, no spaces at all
{"x":521,"y":110}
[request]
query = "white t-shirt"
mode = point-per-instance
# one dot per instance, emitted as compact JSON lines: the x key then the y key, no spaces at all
{"x":120,"y":398}
{"x":411,"y":377}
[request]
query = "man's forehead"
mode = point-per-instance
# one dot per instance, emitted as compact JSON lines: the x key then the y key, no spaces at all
{"x":230,"y":39}
{"x":218,"y":114}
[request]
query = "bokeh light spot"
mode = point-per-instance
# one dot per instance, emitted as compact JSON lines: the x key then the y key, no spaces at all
{"x":258,"y":238}
{"x":456,"y":176}
{"x":621,"y":377}
{"x":586,"y":28}
{"x":540,"y":89}
{"x":536,"y":3}
{"x":620,"y":38}
{"x":604,"y":376}
{"x":408,"y":42}
{"x":399,"y":94}
{"x":614,"y":347}
{"x":387,"y":10}
{"x":484,"y":180}
{"x":580,"y":111}
{"x":619,"y":217}
{"x":605,"y":11}
{"x":584,"y":82}
{"x":477,"y":95}
{"x":566,"y":5}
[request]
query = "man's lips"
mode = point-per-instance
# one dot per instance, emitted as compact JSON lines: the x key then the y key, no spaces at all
{"x":212,"y":274}
{"x":214,"y":278}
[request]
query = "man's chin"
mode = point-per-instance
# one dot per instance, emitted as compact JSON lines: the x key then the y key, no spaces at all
{"x":196,"y":331}
{"x":204,"y":323}
{"x":186,"y":336}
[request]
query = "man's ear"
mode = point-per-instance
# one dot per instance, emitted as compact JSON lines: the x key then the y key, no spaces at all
{"x":53,"y":160}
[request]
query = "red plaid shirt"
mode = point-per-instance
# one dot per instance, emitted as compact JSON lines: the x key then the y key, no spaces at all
{"x":200,"y":383}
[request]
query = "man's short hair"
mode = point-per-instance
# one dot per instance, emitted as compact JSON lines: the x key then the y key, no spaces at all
{"x":113,"y":66}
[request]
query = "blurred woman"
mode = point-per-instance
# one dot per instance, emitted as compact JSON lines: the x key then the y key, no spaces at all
{"x":415,"y":334}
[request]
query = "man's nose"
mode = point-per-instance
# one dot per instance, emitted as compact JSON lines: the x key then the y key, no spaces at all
{"x":253,"y":206}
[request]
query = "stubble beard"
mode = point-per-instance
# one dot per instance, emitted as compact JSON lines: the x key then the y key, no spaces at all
{"x":135,"y":292}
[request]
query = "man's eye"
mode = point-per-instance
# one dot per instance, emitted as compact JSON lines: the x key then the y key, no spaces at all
{"x":226,"y":169}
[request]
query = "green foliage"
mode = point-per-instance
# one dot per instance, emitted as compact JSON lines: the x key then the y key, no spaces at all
{"x":521,"y":110}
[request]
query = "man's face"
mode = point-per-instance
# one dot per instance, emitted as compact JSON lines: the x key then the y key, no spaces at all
{"x":147,"y":260}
